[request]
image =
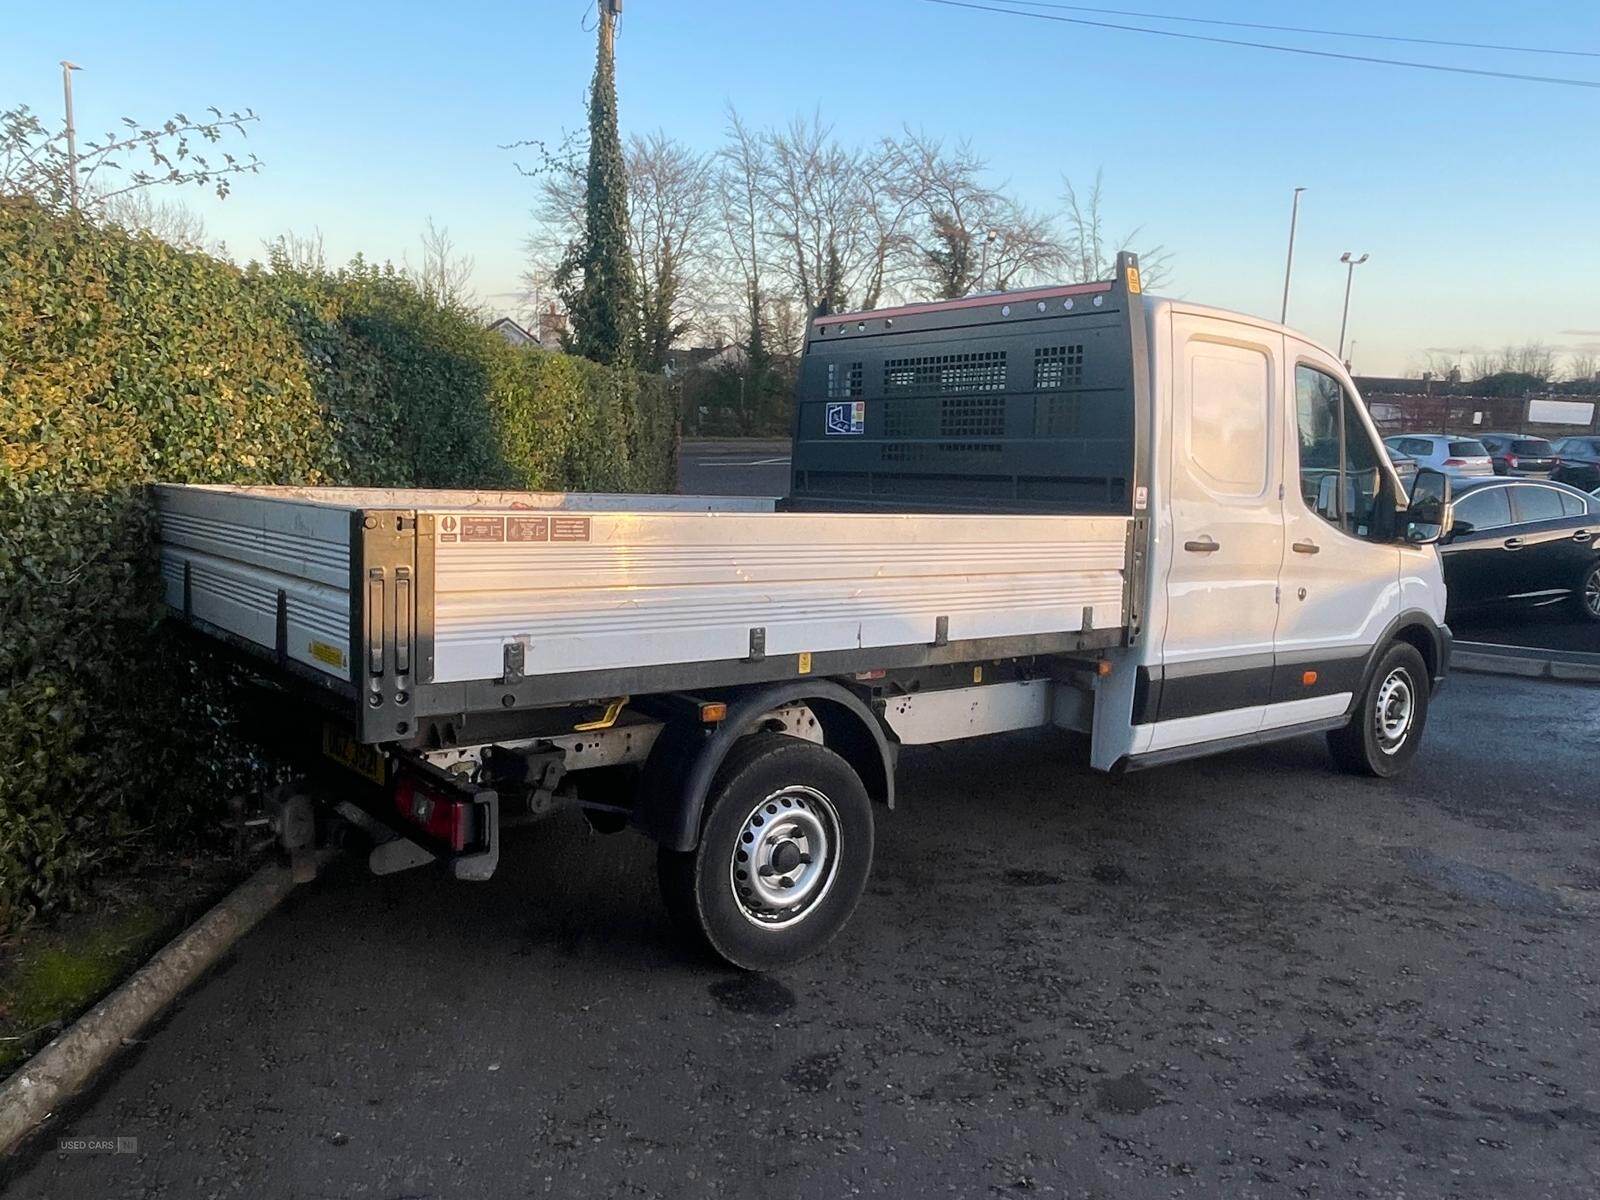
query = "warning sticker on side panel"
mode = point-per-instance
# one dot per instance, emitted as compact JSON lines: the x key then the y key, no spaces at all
{"x":847,"y":418}
{"x":569,"y":529}
{"x":527,"y":529}
{"x":483,"y":529}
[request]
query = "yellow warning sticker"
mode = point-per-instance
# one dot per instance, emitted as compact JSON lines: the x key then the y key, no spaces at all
{"x":323,"y":652}
{"x":1133,"y":280}
{"x":805,"y":662}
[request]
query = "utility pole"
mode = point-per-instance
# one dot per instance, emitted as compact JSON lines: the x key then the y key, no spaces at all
{"x":1352,"y":263}
{"x":1294,"y":218}
{"x":67,"y":68}
{"x":610,"y":10}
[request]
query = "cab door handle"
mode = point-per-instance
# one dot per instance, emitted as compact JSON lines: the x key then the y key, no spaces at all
{"x":1514,"y":543}
{"x":1205,"y":545}
{"x":1582,"y":535}
{"x":1306,"y":548}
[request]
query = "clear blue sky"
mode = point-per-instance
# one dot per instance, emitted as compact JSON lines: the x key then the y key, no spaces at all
{"x":1478,"y":199}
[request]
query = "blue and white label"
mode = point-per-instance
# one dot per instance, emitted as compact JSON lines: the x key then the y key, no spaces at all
{"x":847,"y":418}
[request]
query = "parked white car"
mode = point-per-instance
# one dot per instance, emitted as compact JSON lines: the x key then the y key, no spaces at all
{"x":1454,"y":455}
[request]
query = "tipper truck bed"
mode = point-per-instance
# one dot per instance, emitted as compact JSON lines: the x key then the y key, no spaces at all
{"x":1075,"y":507}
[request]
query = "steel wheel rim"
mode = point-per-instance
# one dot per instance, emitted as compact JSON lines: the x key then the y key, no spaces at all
{"x":1591,"y":592}
{"x":785,"y":857}
{"x":1395,"y":710}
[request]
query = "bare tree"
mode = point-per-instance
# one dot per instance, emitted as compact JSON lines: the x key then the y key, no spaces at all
{"x":1442,"y":363}
{"x":1484,"y":364}
{"x":1026,"y":248}
{"x":741,"y":166}
{"x":812,"y":208}
{"x":1583,"y":366}
{"x":446,"y":273}
{"x":559,"y":177}
{"x":1534,"y":359}
{"x":835,"y":217}
{"x":957,"y":212}
{"x":300,"y":252}
{"x":170,"y":220}
{"x":1091,"y":252}
{"x":672,"y":224}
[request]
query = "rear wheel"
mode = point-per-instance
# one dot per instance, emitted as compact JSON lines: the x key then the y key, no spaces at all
{"x":1386,"y":727}
{"x":784,"y":853}
{"x":1586,"y":599}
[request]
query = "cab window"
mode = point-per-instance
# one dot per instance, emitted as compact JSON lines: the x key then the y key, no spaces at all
{"x":1340,"y":476}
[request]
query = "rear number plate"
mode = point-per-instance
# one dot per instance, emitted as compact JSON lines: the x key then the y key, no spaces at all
{"x":364,"y":760}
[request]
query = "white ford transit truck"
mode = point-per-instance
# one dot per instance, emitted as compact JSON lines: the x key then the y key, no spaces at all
{"x":1169,"y":528}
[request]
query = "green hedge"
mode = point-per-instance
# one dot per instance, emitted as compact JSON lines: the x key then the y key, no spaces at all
{"x":123,"y":360}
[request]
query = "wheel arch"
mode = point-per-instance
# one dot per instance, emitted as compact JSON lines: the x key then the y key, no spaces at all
{"x":1420,"y":631}
{"x":684,"y":762}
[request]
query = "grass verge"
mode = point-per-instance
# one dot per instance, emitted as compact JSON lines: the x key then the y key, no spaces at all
{"x":51,"y":973}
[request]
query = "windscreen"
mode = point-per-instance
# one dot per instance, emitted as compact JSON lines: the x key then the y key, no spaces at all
{"x":1468,"y":449}
{"x":1534,"y":446}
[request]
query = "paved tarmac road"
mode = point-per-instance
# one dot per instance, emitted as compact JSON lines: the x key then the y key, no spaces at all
{"x":1246,"y":976}
{"x":734,"y":468}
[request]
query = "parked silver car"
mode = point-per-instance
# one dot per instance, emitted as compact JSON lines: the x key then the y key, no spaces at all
{"x":1457,"y":456}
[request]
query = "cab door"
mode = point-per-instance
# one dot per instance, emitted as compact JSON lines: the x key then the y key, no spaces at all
{"x":1341,"y":565}
{"x":1226,"y":545}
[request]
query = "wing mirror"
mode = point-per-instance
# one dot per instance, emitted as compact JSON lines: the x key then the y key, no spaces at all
{"x":1428,"y":515}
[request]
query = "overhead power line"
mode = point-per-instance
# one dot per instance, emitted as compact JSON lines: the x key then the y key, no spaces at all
{"x":1344,"y":33}
{"x":1224,"y":41}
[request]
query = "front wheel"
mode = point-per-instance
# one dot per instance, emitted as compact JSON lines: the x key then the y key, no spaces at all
{"x":1386,"y":727}
{"x":1586,"y":599}
{"x":784,"y":854}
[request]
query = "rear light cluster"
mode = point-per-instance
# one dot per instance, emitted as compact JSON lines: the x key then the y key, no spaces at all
{"x":444,"y":818}
{"x":1511,"y":461}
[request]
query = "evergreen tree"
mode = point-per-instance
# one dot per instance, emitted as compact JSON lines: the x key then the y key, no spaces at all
{"x":597,"y":280}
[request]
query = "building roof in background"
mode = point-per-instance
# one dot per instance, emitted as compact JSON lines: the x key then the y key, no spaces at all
{"x":512,"y":332}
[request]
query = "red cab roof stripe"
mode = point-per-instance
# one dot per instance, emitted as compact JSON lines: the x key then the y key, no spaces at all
{"x":1039,"y":293}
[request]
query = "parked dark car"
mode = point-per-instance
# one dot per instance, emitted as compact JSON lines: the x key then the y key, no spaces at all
{"x":1577,"y":462}
{"x":1523,"y":541}
{"x":1518,"y":454}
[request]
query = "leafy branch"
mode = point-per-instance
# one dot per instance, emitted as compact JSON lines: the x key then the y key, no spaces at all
{"x":35,"y":161}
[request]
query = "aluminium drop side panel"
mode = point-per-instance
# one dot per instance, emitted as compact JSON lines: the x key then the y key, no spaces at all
{"x":606,"y":591}
{"x":271,"y":573}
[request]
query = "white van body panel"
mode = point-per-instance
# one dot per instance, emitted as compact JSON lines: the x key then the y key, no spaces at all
{"x":1256,"y":605}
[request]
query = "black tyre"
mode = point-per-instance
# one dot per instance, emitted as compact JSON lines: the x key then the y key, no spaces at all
{"x":785,"y":849}
{"x":1586,"y":599}
{"x":1386,"y":727}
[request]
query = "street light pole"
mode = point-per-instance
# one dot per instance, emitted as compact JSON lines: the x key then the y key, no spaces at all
{"x":1288,"y":266}
{"x":983,"y":271}
{"x":67,"y":68}
{"x":1351,"y":262}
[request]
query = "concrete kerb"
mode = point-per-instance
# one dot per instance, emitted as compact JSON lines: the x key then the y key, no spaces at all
{"x":1489,"y":659}
{"x":64,"y":1067}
